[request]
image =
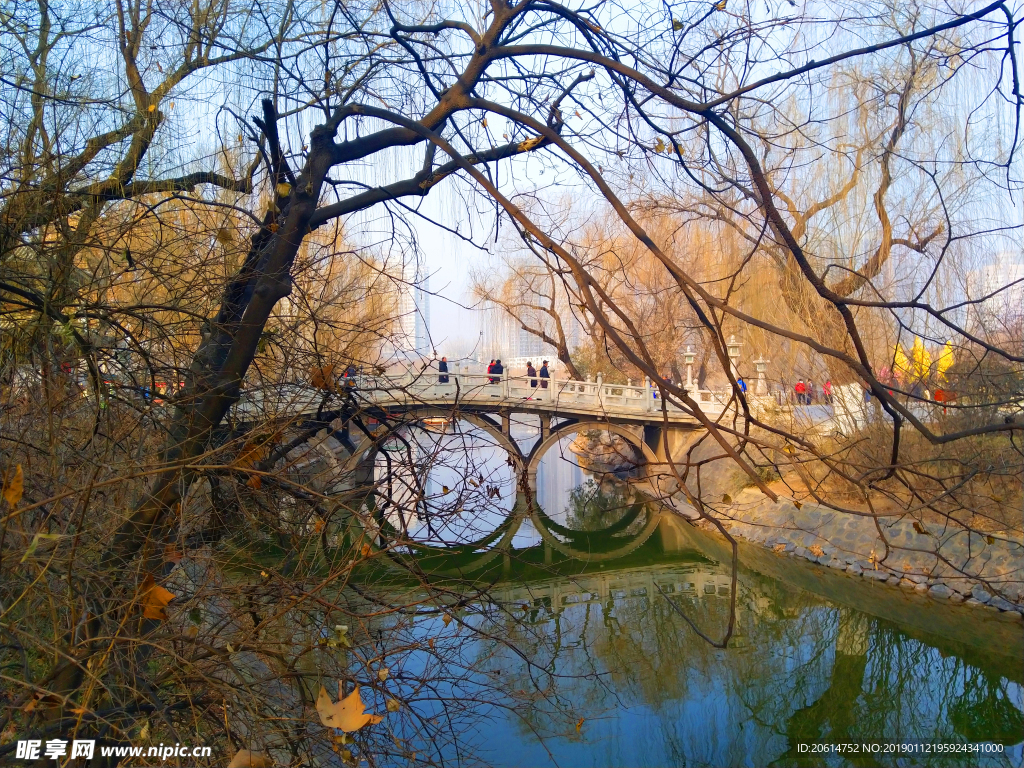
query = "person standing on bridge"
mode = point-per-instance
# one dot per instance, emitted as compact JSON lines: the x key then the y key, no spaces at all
{"x":490,"y":369}
{"x":801,"y":390}
{"x":442,"y":371}
{"x":498,"y":369}
{"x":544,"y":375}
{"x":531,"y":372}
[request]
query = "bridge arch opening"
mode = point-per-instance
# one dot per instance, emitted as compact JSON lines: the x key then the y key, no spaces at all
{"x":442,"y":483}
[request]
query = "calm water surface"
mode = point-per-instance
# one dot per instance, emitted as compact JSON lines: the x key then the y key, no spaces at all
{"x":814,"y":658}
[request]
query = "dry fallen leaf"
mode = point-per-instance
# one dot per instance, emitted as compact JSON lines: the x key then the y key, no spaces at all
{"x":382,"y":674}
{"x":447,"y":619}
{"x":154,"y":599}
{"x":245,"y":759}
{"x":14,"y":486}
{"x":726,"y":498}
{"x":579,"y":724}
{"x":348,"y":713}
{"x":919,"y":528}
{"x":797,"y":504}
{"x":365,"y":550}
{"x":393,"y":705}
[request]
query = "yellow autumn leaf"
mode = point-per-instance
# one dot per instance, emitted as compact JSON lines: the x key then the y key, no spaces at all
{"x":14,"y":486}
{"x":447,"y":619}
{"x":797,"y":504}
{"x":154,"y":599}
{"x":659,"y":146}
{"x":726,"y":498}
{"x":245,"y":759}
{"x":151,"y":108}
{"x":579,"y":724}
{"x":348,"y":713}
{"x":284,"y":189}
{"x":484,"y":122}
{"x":393,"y":705}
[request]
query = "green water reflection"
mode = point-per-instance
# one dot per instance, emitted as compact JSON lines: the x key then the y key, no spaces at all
{"x":815,"y":657}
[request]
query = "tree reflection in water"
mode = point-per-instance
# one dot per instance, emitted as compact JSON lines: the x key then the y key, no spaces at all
{"x":564,"y":632}
{"x":798,"y":670}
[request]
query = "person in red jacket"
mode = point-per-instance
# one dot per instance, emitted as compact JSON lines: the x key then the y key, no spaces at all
{"x":801,"y":392}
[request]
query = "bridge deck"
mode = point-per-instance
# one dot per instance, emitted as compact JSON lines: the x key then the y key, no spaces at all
{"x":566,"y":398}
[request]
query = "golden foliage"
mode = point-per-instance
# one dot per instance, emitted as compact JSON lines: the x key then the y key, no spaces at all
{"x":348,"y":713}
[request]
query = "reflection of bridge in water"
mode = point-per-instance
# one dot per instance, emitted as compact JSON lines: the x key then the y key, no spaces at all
{"x":674,"y":580}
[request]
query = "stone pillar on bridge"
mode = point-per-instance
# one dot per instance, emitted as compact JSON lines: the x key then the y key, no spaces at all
{"x":761,"y":365}
{"x":688,"y":357}
{"x":506,"y":423}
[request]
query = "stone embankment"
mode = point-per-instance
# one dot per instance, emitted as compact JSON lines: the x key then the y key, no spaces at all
{"x":982,"y":570}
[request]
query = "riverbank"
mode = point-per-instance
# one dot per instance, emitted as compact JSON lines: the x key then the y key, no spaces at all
{"x":982,"y":571}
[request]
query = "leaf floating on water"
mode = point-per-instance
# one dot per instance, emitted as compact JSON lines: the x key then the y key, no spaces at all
{"x":154,"y":599}
{"x":990,"y":539}
{"x":919,"y":528}
{"x":348,"y":714}
{"x":726,"y":498}
{"x":797,"y":504}
{"x":14,"y":487}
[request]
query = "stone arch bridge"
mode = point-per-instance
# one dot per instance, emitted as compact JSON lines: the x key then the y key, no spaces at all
{"x":656,"y":429}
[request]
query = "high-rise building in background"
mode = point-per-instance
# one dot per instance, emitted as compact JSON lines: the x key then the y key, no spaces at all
{"x":999,"y":290}
{"x":504,"y":337}
{"x":412,"y":334}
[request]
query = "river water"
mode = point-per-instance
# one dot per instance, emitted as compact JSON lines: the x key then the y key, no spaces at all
{"x":591,"y":626}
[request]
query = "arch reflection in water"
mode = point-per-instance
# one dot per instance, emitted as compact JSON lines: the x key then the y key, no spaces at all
{"x":799,"y":669}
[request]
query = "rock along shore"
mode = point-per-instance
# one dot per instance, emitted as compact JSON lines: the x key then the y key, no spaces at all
{"x":985,"y":571}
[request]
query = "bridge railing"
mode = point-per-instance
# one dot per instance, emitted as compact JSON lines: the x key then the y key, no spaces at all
{"x":484,"y":387}
{"x":477,"y":388}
